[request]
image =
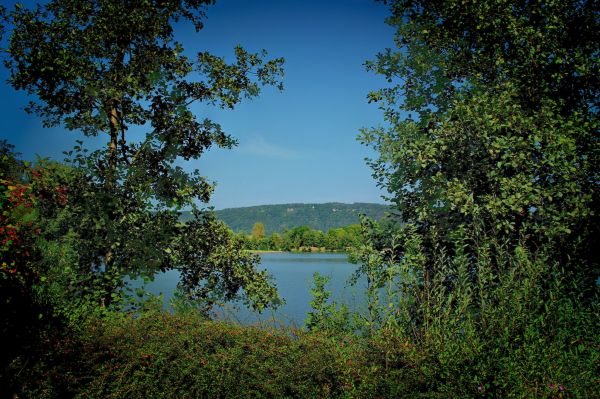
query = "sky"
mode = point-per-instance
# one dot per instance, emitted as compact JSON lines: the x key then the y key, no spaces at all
{"x":298,"y":145}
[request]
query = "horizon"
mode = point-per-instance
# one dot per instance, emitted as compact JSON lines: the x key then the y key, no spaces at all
{"x":308,"y":203}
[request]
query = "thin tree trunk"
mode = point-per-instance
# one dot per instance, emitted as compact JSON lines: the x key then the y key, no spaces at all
{"x":110,"y":183}
{"x":114,"y":137}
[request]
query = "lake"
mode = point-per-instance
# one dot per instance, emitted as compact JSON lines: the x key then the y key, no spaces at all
{"x":293,"y":275}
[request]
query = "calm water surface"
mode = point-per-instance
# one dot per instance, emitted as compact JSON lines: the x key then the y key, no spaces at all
{"x":293,"y":275}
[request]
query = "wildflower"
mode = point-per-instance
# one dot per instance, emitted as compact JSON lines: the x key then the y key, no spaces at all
{"x":551,"y":386}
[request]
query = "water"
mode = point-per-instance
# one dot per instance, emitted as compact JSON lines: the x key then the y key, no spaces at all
{"x":293,"y":275}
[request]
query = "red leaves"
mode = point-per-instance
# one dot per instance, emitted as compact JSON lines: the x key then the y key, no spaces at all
{"x":8,"y":235}
{"x":15,"y":231}
{"x":46,"y":188}
{"x":18,"y":194}
{"x":61,"y":195}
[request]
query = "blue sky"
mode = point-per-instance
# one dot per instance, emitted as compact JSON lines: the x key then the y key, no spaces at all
{"x":298,"y":145}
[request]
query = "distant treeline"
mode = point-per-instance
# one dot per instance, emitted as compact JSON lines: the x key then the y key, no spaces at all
{"x":278,"y":218}
{"x":302,"y":238}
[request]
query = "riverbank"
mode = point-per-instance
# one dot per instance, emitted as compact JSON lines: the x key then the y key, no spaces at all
{"x":301,"y":250}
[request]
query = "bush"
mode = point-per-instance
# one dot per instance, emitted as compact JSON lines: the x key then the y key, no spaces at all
{"x":160,"y":355}
{"x":489,"y":323}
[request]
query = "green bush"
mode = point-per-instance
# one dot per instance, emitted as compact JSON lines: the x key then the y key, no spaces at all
{"x":159,"y":355}
{"x":501,"y":325}
{"x":326,"y":315}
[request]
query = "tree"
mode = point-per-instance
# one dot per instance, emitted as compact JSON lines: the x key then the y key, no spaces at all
{"x":295,"y":238}
{"x":493,"y":120}
{"x":275,"y":242}
{"x":113,"y":68}
{"x":490,"y":154}
{"x":258,"y":231}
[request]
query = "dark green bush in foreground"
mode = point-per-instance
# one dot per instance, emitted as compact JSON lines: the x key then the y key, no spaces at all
{"x":159,"y":355}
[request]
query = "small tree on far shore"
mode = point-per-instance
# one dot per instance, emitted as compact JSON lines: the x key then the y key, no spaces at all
{"x":258,"y":231}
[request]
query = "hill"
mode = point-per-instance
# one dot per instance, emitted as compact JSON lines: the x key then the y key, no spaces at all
{"x":277,"y":218}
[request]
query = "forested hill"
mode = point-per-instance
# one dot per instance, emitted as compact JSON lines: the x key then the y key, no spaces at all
{"x":277,"y":218}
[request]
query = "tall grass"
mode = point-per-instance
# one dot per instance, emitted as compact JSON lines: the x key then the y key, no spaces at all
{"x":485,"y":320}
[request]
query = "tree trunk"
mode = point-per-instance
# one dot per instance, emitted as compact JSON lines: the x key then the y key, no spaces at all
{"x":114,"y":136}
{"x":110,"y":184}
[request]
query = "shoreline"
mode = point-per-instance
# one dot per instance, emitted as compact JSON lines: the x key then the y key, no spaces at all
{"x":269,"y":251}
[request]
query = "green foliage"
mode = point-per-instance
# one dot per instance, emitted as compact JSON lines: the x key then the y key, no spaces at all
{"x":490,"y":154}
{"x":217,"y":269}
{"x":343,"y":238}
{"x":11,"y":167}
{"x":488,"y":289}
{"x":158,"y":355}
{"x":109,"y":68}
{"x":489,"y":128}
{"x":278,"y":218}
{"x":303,"y":238}
{"x":472,"y":332}
{"x":325,"y":315}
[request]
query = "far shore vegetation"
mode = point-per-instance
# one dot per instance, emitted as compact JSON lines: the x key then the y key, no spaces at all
{"x":302,"y":239}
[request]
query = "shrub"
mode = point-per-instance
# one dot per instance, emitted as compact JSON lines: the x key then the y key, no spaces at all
{"x":490,"y":323}
{"x":160,"y":355}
